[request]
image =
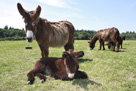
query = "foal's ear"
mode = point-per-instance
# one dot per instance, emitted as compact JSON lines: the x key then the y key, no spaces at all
{"x":38,"y":11}
{"x":65,"y":55}
{"x":21,"y":10}
{"x":80,"y":54}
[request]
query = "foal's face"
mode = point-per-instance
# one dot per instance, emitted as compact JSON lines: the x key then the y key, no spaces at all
{"x":72,"y":62}
{"x":31,"y":21}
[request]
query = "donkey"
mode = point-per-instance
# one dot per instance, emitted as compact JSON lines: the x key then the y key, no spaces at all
{"x":65,"y":68}
{"x":47,"y":34}
{"x":121,"y":38}
{"x":110,"y":34}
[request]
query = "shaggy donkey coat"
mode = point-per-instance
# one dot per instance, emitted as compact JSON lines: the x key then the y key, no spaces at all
{"x":110,"y":34}
{"x":47,"y":34}
{"x":65,"y":68}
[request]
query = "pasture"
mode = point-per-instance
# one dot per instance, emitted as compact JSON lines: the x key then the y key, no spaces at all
{"x":106,"y":70}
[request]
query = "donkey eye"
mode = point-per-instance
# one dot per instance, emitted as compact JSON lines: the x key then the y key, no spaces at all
{"x":33,"y":24}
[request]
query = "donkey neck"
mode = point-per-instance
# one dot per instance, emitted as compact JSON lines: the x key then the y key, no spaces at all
{"x":94,"y":39}
{"x":39,"y":29}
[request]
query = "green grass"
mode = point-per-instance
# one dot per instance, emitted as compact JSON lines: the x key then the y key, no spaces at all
{"x":107,"y":70}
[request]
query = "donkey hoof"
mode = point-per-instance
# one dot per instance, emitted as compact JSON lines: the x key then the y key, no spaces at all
{"x":29,"y":82}
{"x":42,"y":80}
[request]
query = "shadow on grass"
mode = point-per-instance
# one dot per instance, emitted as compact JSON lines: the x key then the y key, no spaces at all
{"x":84,"y":60}
{"x":115,"y":50}
{"x":83,"y":83}
{"x":122,"y":48}
{"x":122,"y":51}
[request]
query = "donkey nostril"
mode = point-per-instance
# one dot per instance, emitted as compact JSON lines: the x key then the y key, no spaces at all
{"x":29,"y":39}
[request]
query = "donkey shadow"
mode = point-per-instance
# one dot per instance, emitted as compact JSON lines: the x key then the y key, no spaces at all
{"x":84,"y":60}
{"x":83,"y":83}
{"x":122,"y":51}
{"x":115,"y":51}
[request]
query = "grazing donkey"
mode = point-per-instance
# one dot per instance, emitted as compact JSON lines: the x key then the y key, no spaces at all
{"x":110,"y":34}
{"x":65,"y":68}
{"x":47,"y":34}
{"x":121,"y":38}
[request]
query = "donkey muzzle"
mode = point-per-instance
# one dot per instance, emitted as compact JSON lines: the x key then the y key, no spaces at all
{"x":29,"y":39}
{"x":29,"y":36}
{"x":91,"y":48}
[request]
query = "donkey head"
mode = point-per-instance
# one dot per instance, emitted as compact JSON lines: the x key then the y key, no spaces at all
{"x":123,"y":37}
{"x":31,"y":20}
{"x":92,"y":45}
{"x":72,"y":64}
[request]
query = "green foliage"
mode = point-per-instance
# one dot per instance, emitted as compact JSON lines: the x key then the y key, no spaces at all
{"x":12,"y":34}
{"x":84,"y":34}
{"x":106,"y":70}
{"x":129,"y":36}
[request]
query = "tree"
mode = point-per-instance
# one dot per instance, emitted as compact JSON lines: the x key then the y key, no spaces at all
{"x":6,"y":27}
{"x":83,"y":35}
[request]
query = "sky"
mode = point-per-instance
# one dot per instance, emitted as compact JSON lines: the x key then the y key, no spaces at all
{"x":83,"y":14}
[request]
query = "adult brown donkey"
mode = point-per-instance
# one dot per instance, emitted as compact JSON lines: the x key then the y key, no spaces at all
{"x":65,"y":68}
{"x":110,"y":34}
{"x":53,"y":34}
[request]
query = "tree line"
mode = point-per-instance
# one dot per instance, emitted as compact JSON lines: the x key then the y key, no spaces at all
{"x":10,"y":33}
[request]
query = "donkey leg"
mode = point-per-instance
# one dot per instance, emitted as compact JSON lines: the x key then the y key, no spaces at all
{"x":39,"y":67}
{"x":41,"y":76}
{"x":113,"y":48}
{"x":100,"y":47}
{"x":109,"y":46}
{"x":121,"y":45}
{"x":31,"y":78}
{"x":117,"y":44}
{"x":100,"y":41}
{"x":80,"y":75}
{"x":44,"y":51}
{"x":69,"y":46}
{"x":103,"y":45}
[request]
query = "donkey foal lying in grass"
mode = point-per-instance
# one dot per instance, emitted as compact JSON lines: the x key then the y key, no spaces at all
{"x":65,"y":68}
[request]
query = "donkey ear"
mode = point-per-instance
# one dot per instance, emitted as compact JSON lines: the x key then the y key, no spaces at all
{"x":38,"y":11}
{"x":88,"y":41}
{"x":65,"y":55}
{"x":21,"y":10}
{"x":124,"y":37}
{"x":79,"y":54}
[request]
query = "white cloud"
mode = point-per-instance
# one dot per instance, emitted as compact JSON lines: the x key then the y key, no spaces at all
{"x":56,"y":3}
{"x":61,"y":3}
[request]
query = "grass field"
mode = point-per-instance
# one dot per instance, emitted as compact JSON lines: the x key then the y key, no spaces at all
{"x":107,"y":70}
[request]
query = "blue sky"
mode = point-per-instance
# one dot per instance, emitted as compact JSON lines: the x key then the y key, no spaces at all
{"x":84,"y":14}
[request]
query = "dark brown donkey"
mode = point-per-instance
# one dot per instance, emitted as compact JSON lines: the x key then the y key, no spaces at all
{"x":121,"y":38}
{"x":53,"y":34}
{"x":65,"y":68}
{"x":110,"y":34}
